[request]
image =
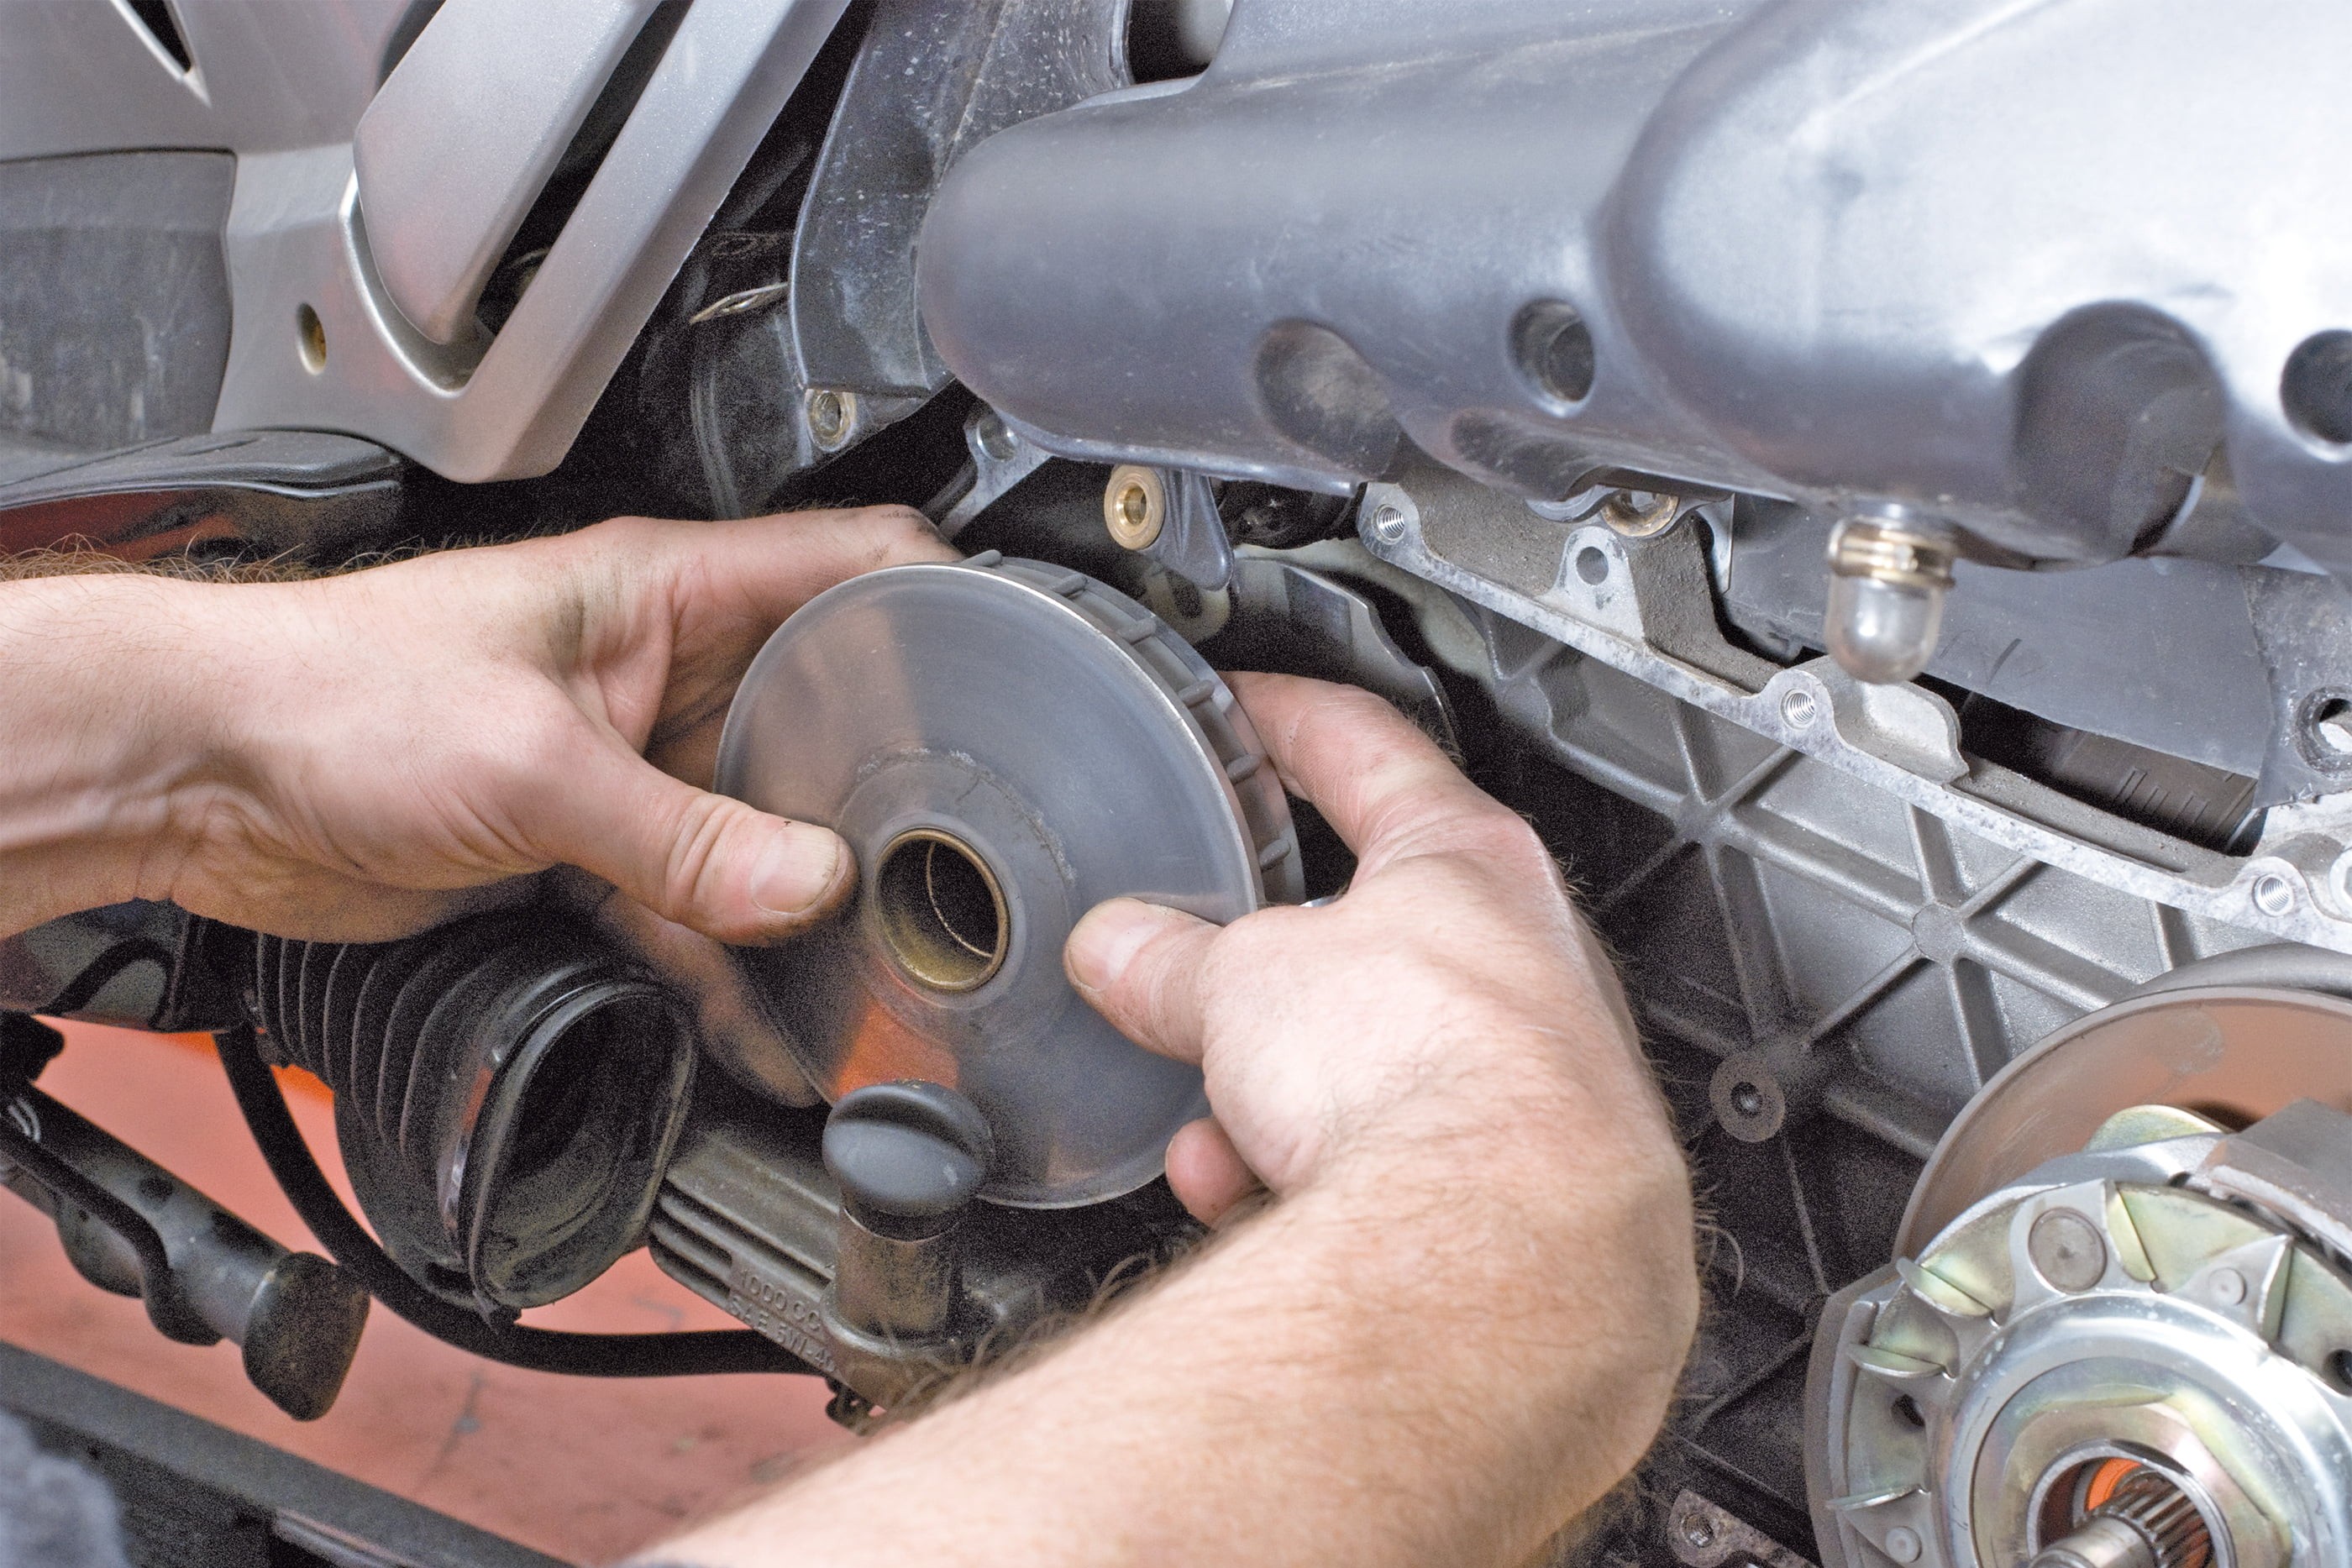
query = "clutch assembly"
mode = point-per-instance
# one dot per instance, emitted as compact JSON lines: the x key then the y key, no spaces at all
{"x":1005,"y":744}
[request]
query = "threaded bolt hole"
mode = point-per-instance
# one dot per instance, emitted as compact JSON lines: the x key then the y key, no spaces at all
{"x":1554,"y":350}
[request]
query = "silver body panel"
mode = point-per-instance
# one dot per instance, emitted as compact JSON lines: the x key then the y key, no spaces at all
{"x":284,"y":83}
{"x":495,"y":88}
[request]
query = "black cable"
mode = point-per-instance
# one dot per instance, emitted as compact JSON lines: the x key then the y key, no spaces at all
{"x":539,"y":1350}
{"x":96,"y":974}
{"x":167,"y":1304}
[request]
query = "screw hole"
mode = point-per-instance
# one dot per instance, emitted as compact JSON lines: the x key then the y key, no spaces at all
{"x":2274,"y":894}
{"x":1592,"y":565}
{"x":830,"y":415}
{"x":1906,"y":1410}
{"x":2338,"y":1370}
{"x":1554,"y":350}
{"x":2331,"y":726}
{"x":311,"y":336}
{"x":2315,"y":388}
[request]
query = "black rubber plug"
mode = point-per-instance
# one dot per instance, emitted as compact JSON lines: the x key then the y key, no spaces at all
{"x":908,"y":1156}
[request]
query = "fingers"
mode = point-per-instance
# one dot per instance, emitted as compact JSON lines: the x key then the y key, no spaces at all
{"x":700,"y":860}
{"x":1206,"y":1173}
{"x":735,"y":1033}
{"x":1378,"y":780}
{"x":770,"y":566}
{"x":1139,"y":965}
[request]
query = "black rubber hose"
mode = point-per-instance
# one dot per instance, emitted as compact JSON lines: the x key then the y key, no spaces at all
{"x":538,"y":1350}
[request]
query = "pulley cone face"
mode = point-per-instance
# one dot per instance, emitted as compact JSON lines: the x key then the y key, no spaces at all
{"x":2233,"y":1055}
{"x":1005,"y":744}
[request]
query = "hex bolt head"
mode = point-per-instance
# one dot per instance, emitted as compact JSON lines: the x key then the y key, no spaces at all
{"x":2067,"y":1250}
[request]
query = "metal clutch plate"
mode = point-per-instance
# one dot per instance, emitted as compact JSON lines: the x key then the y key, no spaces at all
{"x":1005,"y":744}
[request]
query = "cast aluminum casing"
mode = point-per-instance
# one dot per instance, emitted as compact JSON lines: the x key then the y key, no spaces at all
{"x":2021,"y":266}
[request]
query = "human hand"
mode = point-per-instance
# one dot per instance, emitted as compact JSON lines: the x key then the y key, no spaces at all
{"x":1450,"y":992}
{"x":1463,"y":1321}
{"x":386,"y":747}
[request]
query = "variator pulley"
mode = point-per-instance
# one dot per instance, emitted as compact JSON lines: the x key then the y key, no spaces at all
{"x":2118,"y":1330}
{"x":1004,"y":744}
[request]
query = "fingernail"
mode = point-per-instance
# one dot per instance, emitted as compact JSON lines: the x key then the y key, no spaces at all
{"x":1107,"y":940}
{"x":802,"y":865}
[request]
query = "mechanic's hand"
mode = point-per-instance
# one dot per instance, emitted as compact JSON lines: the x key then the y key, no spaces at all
{"x":1450,"y":989}
{"x":396,"y":742}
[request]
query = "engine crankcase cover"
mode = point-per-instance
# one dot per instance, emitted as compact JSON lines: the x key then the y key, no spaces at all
{"x":1004,"y":744}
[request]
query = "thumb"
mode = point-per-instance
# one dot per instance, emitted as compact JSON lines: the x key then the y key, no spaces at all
{"x":1139,"y":965}
{"x":699,"y":860}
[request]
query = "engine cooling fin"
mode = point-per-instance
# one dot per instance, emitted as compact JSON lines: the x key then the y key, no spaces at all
{"x":1004,"y":744}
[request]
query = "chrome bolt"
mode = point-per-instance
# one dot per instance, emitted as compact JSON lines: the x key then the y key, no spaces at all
{"x":1798,"y":709}
{"x":2274,"y":894}
{"x":1388,"y":523}
{"x":1889,"y":574}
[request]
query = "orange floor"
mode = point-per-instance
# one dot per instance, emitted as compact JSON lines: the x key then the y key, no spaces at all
{"x":585,"y":1470}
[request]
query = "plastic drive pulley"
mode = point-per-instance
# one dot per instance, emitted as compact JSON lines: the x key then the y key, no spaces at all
{"x":1004,"y":744}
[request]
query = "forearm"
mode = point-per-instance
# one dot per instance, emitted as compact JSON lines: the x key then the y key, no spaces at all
{"x":1437,"y":1360}
{"x":109,"y":738}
